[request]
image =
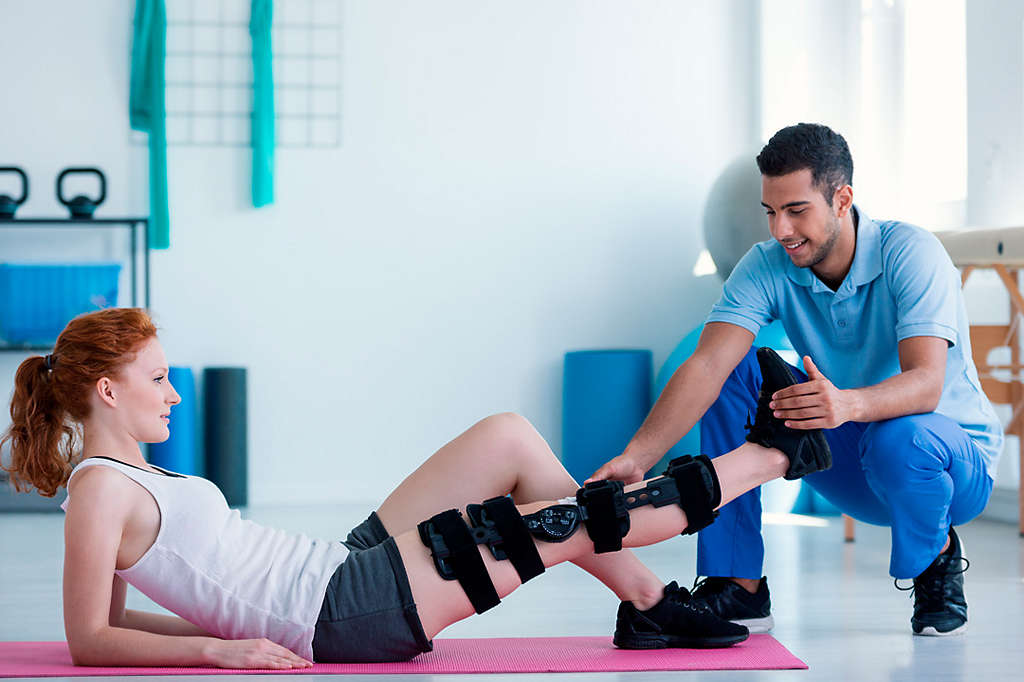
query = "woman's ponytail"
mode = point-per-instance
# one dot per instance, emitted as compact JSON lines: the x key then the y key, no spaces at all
{"x":40,"y":437}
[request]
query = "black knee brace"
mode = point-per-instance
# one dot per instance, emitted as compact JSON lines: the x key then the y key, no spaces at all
{"x":495,"y":523}
{"x":690,"y":482}
{"x":697,"y":488}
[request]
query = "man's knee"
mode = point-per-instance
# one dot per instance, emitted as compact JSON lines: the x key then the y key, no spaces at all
{"x":896,"y":453}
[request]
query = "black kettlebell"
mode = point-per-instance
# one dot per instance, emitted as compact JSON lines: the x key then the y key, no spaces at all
{"x":8,"y":205}
{"x":81,"y":207}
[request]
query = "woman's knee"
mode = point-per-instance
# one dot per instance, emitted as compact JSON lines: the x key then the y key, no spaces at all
{"x":512,"y":436}
{"x":507,"y":425}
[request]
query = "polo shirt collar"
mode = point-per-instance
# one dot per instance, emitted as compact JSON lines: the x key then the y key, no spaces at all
{"x":867,"y":259}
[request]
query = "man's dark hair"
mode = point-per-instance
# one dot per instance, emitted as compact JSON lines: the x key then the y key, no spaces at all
{"x":813,"y":146}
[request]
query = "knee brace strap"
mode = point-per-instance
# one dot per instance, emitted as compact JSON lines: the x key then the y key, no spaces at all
{"x":604,"y":514}
{"x":498,"y":523}
{"x":699,"y":491}
{"x":456,"y":557}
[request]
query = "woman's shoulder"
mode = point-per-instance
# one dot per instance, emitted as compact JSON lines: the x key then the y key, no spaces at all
{"x":99,"y":487}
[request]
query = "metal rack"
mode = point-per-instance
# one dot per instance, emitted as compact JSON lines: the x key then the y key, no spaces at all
{"x":138,"y":231}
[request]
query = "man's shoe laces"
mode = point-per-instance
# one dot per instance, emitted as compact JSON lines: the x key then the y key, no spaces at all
{"x":931,"y":584}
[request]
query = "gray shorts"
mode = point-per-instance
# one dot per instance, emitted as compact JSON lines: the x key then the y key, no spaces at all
{"x":368,"y":614}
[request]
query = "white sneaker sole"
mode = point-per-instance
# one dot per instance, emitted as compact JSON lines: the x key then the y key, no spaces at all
{"x":932,"y":632}
{"x":757,"y":625}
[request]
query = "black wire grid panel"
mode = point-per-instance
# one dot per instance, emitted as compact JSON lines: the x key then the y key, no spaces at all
{"x":209,"y":78}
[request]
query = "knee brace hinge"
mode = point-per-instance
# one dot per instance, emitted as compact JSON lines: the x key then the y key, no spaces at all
{"x":455,"y":555}
{"x":453,"y":546}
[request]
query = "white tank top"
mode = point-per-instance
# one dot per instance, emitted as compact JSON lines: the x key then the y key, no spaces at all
{"x":231,"y":577}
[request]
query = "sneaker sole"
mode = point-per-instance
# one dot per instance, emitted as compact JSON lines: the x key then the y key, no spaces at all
{"x":930,"y":631}
{"x":756,"y":625}
{"x":674,"y":642}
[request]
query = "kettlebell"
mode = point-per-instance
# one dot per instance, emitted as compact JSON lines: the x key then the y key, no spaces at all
{"x":8,"y":205}
{"x":81,"y":207}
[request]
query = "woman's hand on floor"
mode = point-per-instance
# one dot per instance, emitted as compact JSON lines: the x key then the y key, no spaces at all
{"x":253,"y":653}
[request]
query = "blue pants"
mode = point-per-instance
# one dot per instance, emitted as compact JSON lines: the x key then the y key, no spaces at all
{"x":917,"y":474}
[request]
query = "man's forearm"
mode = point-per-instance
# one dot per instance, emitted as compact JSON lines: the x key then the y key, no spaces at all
{"x":160,"y":624}
{"x":914,"y":391}
{"x":687,"y":396}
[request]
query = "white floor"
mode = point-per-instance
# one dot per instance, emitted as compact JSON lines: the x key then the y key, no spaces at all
{"x":834,"y":604}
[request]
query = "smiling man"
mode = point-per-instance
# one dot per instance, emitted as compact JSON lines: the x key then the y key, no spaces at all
{"x":876,"y":311}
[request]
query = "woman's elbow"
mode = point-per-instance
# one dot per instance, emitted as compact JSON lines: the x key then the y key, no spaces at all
{"x":85,"y":649}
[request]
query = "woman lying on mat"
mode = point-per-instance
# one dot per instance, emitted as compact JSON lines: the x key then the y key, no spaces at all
{"x":254,"y":597}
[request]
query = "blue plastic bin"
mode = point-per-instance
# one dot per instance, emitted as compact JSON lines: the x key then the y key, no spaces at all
{"x":38,"y":300}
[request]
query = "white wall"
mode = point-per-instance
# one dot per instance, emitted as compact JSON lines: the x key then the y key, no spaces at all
{"x":515,"y":180}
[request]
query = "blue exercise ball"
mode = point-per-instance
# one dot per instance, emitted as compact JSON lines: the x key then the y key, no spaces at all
{"x":773,"y":336}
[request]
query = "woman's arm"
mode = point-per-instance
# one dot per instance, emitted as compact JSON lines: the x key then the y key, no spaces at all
{"x":96,"y":518}
{"x":161,"y":624}
{"x":157,"y":623}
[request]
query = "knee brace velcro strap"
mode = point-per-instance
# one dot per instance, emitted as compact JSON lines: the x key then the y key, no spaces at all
{"x":498,"y":523}
{"x":699,"y":490}
{"x":456,"y":557}
{"x":604,"y":514}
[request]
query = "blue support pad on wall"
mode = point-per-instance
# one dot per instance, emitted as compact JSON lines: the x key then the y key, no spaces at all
{"x":605,"y":397}
{"x":179,"y":453}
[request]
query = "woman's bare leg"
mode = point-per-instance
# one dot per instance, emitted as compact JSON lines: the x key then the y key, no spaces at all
{"x":442,"y":602}
{"x":499,"y":455}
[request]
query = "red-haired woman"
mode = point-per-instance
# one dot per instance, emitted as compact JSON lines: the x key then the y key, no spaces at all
{"x":254,"y":597}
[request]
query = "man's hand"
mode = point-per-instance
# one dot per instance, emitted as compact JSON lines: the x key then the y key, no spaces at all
{"x":814,"y":404}
{"x":622,"y":468}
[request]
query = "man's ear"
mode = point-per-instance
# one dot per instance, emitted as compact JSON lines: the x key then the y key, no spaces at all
{"x":105,"y":391}
{"x":843,"y":200}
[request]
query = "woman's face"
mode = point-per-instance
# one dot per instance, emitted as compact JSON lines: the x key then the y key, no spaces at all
{"x":144,"y":395}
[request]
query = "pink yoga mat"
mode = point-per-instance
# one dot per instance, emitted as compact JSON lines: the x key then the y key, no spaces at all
{"x":498,"y":655}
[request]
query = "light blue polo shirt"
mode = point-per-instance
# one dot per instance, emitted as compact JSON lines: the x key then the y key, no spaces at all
{"x":902,"y":283}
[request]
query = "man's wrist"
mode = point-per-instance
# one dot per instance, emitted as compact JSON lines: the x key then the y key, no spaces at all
{"x":855,"y":405}
{"x":643,"y":458}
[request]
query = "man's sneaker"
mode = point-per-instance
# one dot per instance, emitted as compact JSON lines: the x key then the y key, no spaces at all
{"x":807,"y":450}
{"x":731,"y":602}
{"x":939,"y":605}
{"x":675,"y":621}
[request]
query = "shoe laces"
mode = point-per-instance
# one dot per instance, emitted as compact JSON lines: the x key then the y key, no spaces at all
{"x":702,"y":600}
{"x":681,"y":596}
{"x":762,"y":427}
{"x":930,"y":586}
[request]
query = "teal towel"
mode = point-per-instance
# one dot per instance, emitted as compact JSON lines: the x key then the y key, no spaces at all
{"x":260,"y":22}
{"x":147,"y":111}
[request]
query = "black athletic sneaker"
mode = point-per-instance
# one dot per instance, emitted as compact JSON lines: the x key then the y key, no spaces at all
{"x":807,"y":450}
{"x":675,"y":621}
{"x":939,"y":605}
{"x":728,"y":600}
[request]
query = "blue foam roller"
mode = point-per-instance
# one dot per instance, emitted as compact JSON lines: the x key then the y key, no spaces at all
{"x":606,"y":395}
{"x":178,"y":453}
